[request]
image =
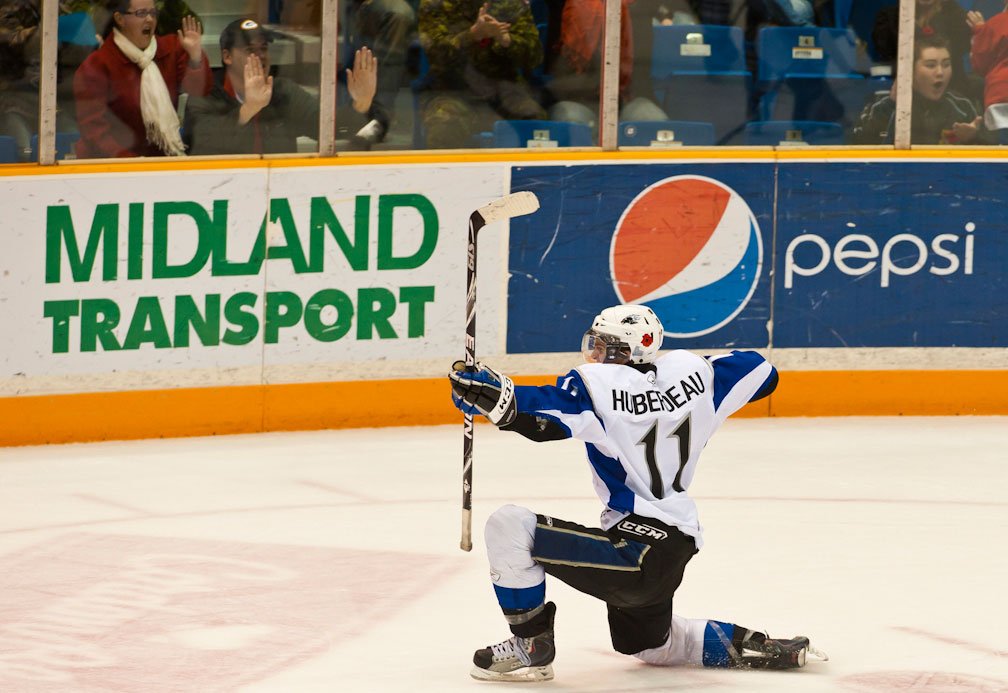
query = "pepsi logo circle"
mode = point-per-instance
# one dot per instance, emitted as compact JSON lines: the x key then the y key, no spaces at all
{"x":689,"y":248}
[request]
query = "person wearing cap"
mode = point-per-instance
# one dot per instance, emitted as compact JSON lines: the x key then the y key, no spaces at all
{"x":253,"y":112}
{"x":127,"y":91}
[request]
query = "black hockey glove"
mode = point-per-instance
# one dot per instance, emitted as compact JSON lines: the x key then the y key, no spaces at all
{"x":483,"y":391}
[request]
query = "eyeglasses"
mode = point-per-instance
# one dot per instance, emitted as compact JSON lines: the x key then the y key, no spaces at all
{"x":144,"y":14}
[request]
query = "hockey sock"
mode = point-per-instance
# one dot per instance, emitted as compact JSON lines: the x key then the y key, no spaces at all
{"x":531,"y":622}
{"x":723,"y":643}
{"x":519,"y":599}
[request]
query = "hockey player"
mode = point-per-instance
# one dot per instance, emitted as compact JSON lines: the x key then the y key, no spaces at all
{"x":644,"y":420}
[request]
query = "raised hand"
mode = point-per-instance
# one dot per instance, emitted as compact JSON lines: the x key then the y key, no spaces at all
{"x":258,"y":89}
{"x":974,"y":19}
{"x":191,"y":38}
{"x":483,"y":391}
{"x":486,"y":26}
{"x":362,"y":79}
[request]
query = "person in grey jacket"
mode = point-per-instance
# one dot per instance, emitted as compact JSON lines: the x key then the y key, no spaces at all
{"x":252,"y":112}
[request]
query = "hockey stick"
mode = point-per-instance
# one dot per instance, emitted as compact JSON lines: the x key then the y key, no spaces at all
{"x":513,"y":205}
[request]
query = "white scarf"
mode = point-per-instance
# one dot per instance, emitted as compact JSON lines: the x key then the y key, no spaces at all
{"x":159,"y":116}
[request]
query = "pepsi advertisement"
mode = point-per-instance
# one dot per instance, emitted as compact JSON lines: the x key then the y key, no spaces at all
{"x":892,"y":254}
{"x":865,"y":254}
{"x":690,"y":241}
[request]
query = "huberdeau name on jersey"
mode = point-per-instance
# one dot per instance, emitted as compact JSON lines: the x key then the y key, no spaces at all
{"x":672,"y":398}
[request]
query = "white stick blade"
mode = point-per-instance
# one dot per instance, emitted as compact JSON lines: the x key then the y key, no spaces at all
{"x":513,"y":205}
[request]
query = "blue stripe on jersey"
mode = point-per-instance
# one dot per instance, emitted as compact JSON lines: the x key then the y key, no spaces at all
{"x":521,"y":598}
{"x":559,"y":545}
{"x":570,"y":396}
{"x":729,"y":370}
{"x":613,"y":475}
{"x":716,"y":643}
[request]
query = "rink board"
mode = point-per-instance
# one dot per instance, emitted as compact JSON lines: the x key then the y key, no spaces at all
{"x":864,"y":254}
{"x":151,"y":300}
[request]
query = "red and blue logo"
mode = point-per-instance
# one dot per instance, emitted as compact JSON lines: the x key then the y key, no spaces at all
{"x":689,"y":248}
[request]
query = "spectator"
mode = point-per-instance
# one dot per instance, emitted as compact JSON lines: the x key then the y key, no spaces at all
{"x":170,"y":14}
{"x":576,"y":74}
{"x":938,"y":116}
{"x":127,"y":90}
{"x":386,"y":26}
{"x":19,"y":72}
{"x":943,"y":17}
{"x":989,"y":56}
{"x":251,"y":112}
{"x":712,"y":11}
{"x":478,"y":53}
{"x":783,"y":12}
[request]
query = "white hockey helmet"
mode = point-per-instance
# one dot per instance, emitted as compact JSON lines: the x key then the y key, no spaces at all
{"x":623,"y":334}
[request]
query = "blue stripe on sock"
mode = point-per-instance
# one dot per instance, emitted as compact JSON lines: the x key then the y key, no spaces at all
{"x":521,"y":598}
{"x":717,"y":640}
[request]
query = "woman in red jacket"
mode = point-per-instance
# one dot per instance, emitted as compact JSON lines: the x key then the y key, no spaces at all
{"x":127,"y":90}
{"x":989,"y":56}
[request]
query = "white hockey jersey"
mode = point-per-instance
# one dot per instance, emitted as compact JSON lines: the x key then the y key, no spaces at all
{"x":645,"y":429}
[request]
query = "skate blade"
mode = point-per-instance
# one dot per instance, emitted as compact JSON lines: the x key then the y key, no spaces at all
{"x":523,"y":675}
{"x":816,"y":653}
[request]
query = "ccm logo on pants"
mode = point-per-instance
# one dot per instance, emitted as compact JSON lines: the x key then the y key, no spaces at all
{"x":641,"y":530}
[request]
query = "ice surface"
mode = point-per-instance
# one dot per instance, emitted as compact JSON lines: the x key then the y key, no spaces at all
{"x":329,"y":561}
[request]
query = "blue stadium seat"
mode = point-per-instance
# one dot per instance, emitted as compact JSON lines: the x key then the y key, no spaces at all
{"x":809,"y":73}
{"x":76,"y":28}
{"x":697,"y":49}
{"x":8,"y":150}
{"x":644,"y":133}
{"x":778,"y":132}
{"x":790,"y":51}
{"x":518,"y":133}
{"x":65,"y":142}
{"x":700,"y":74}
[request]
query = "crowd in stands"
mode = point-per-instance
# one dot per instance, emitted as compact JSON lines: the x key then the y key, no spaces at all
{"x":145,"y":87}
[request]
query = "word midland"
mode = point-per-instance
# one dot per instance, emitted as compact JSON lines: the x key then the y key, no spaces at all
{"x":122,"y":231}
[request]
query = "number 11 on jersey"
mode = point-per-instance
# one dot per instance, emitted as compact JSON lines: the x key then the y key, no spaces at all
{"x":650,"y":443}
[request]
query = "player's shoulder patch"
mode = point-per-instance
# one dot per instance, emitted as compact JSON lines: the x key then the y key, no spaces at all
{"x":570,"y":383}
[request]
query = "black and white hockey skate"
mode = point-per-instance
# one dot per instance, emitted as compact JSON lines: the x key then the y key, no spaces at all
{"x":517,"y":658}
{"x":757,"y":651}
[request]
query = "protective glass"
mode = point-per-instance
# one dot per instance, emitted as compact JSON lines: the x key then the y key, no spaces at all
{"x":598,"y":347}
{"x":144,"y":14}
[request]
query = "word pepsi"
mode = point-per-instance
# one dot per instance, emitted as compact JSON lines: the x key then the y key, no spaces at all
{"x":857,"y":254}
